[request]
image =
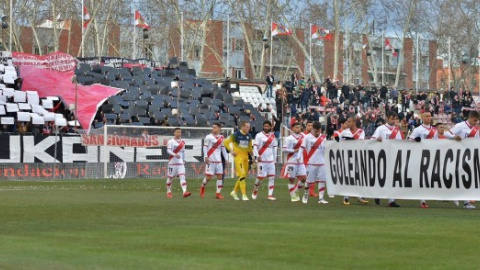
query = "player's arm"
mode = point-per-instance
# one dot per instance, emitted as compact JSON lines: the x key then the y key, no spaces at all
{"x":228,"y":143}
{"x":256,"y":144}
{"x":415,"y":136}
{"x":453,"y":134}
{"x":224,"y":152}
{"x":183,"y":155}
{"x":170,"y":149}
{"x":376,"y":135}
{"x":287,"y":148}
{"x":250,"y":149}
{"x":275,"y":149}
{"x":205,"y":150}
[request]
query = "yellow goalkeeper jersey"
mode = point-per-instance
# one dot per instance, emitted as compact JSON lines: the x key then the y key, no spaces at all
{"x":242,"y":144}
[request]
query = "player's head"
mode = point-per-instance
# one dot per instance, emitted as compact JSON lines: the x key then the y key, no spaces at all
{"x":352,"y":122}
{"x":216,"y":128}
{"x":309,"y":126}
{"x":297,"y":128}
{"x":473,"y":117}
{"x":392,"y":118}
{"x":316,"y":129}
{"x":245,"y":126}
{"x":440,"y":128}
{"x":343,"y":123}
{"x":177,"y":132}
{"x":427,"y":118}
{"x":267,"y":126}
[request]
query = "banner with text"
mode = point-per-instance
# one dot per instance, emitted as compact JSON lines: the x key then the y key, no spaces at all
{"x":431,"y":170}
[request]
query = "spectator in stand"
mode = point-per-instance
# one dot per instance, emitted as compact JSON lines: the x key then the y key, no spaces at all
{"x":456,"y":105}
{"x":346,"y":91}
{"x":383,"y":92}
{"x":456,"y":118}
{"x":332,"y":125}
{"x":22,"y":127}
{"x":270,"y":81}
{"x":277,"y":122}
{"x":305,"y":98}
{"x":295,"y":79}
{"x":47,"y":128}
{"x":394,"y":95}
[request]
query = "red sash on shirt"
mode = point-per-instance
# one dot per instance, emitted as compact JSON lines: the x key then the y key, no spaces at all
{"x":314,"y":148}
{"x":299,"y":143}
{"x":431,"y":133}
{"x":394,"y":133}
{"x":356,"y":136}
{"x":266,"y":145}
{"x":179,"y":147}
{"x":215,"y":146}
{"x":473,"y":132}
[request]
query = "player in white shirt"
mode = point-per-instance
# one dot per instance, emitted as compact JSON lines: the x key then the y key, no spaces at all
{"x":176,"y":162}
{"x":265,"y":153}
{"x":389,"y":131}
{"x":313,"y":148}
{"x":294,"y":168}
{"x":213,"y":150}
{"x":467,"y":129}
{"x":352,"y":133}
{"x":424,"y":132}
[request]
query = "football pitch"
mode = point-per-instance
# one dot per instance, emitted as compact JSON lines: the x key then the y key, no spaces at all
{"x":130,"y":224}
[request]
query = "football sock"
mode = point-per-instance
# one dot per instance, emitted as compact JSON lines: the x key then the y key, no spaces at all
{"x":271,"y":185}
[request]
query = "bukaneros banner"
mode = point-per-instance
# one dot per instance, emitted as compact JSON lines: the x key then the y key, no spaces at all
{"x":69,"y":149}
{"x":431,"y":170}
{"x":57,"y":61}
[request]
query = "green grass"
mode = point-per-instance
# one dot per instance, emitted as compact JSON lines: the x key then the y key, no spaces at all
{"x":130,"y":224}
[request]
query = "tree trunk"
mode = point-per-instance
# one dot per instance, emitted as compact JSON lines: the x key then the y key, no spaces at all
{"x":336,"y":11}
{"x":55,"y":27}
{"x":401,"y":55}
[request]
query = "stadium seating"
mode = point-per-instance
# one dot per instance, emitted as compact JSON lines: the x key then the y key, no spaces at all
{"x":251,"y":95}
{"x":24,"y":106}
{"x":173,"y":97}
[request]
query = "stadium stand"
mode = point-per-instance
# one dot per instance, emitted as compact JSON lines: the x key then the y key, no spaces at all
{"x":24,"y":111}
{"x":165,"y":97}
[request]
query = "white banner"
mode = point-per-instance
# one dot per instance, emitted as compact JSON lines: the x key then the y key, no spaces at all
{"x":431,"y":170}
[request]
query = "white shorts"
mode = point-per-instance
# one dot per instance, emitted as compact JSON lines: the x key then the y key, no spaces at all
{"x":213,"y":169}
{"x":265,"y":169}
{"x":175,"y":170}
{"x":316,"y":173}
{"x":295,"y":170}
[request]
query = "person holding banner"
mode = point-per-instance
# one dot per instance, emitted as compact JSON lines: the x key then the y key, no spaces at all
{"x":265,"y":152}
{"x":313,"y":148}
{"x":424,"y":132}
{"x":440,"y":130}
{"x":352,"y":132}
{"x":294,"y":167}
{"x":176,"y":163}
{"x":466,"y":129}
{"x":389,"y":131}
{"x":239,"y":144}
{"x":213,"y":150}
{"x":343,"y":126}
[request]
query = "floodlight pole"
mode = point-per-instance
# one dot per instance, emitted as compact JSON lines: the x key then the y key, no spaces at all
{"x":11,"y":25}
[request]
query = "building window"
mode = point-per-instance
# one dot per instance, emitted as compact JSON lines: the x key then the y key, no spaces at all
{"x":238,"y":45}
{"x":238,"y":74}
{"x":197,"y":51}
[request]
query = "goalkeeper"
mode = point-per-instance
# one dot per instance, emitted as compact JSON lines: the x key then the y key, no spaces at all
{"x":239,"y":144}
